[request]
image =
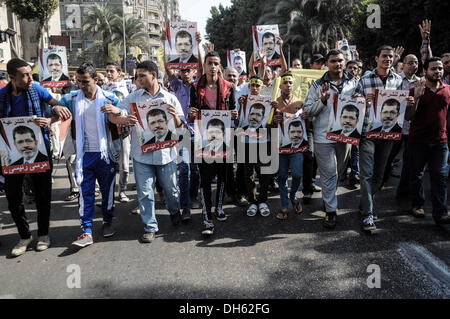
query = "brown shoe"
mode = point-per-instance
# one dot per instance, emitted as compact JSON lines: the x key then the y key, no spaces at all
{"x":148,"y":237}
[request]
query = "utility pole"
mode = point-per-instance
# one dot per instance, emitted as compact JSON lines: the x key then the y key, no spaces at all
{"x":124,"y":38}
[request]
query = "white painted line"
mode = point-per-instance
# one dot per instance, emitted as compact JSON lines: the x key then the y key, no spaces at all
{"x":7,"y":297}
{"x":420,"y":259}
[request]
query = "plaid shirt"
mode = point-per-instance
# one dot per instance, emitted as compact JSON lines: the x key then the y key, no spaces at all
{"x":372,"y":81}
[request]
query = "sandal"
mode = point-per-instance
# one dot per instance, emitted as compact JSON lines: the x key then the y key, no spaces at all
{"x":282,"y":215}
{"x":297,"y":206}
{"x":251,"y":211}
{"x":264,"y":210}
{"x":72,"y":196}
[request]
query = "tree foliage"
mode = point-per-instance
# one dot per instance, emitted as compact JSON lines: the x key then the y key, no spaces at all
{"x":399,"y":26}
{"x":33,"y":10}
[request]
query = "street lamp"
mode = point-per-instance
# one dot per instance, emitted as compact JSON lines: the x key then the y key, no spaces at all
{"x":127,"y":3}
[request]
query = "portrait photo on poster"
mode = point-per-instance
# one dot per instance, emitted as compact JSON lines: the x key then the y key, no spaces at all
{"x":23,"y":147}
{"x":265,"y":37}
{"x":181,"y":45}
{"x":346,"y":119}
{"x":254,"y":117}
{"x":54,"y":71}
{"x":387,"y":114}
{"x":236,"y":59}
{"x":293,"y":136}
{"x":212,"y":134}
{"x":156,"y":129}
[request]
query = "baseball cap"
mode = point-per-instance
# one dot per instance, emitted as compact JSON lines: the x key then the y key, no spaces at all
{"x":317,"y":57}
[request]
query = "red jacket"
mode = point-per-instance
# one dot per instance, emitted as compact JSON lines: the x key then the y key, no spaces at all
{"x":225,"y":95}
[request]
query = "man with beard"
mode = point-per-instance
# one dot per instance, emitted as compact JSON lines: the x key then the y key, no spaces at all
{"x":390,"y":111}
{"x":429,"y":146}
{"x":215,"y":135}
{"x":27,"y":145}
{"x":158,"y":125}
{"x":349,"y":119}
{"x":183,"y":45}
{"x":55,"y":68}
{"x":268,"y":43}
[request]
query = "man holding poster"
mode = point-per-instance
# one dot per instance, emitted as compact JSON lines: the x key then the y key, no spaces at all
{"x":160,"y":163}
{"x":18,"y":99}
{"x":331,"y":156}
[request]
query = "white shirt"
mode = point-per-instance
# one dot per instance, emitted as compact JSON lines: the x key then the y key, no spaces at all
{"x":91,"y":140}
{"x":160,"y":157}
{"x":120,"y":86}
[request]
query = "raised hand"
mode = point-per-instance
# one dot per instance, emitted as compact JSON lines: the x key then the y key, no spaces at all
{"x":419,"y":89}
{"x":325,"y":92}
{"x":425,"y":29}
{"x":398,"y":54}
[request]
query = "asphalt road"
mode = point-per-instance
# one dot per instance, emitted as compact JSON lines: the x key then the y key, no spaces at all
{"x":246,"y":258}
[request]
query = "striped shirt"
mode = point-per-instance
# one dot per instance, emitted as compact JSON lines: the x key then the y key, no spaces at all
{"x":372,"y":81}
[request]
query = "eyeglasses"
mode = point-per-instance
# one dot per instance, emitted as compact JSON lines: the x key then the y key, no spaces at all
{"x":185,"y":71}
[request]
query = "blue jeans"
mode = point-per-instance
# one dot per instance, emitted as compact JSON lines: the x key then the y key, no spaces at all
{"x":295,"y":163}
{"x":145,"y":176}
{"x":435,"y":155}
{"x":373,"y":156}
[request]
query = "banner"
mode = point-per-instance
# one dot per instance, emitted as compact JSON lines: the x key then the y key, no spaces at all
{"x":346,"y":119}
{"x":54,"y":68}
{"x":156,"y":129}
{"x":293,"y":137}
{"x":181,"y":45}
{"x":236,"y":59}
{"x":387,"y":114}
{"x":212,"y":134}
{"x":22,"y":147}
{"x":265,"y":37}
{"x":303,"y":79}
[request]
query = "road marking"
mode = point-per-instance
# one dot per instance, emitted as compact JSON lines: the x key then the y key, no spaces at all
{"x":7,"y":297}
{"x":420,"y":259}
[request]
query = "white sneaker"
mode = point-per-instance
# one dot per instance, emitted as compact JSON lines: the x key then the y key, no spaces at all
{"x":21,"y":247}
{"x":123,"y":198}
{"x":43,"y":243}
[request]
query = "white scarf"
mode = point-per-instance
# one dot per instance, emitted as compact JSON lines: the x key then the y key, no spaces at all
{"x":80,"y":107}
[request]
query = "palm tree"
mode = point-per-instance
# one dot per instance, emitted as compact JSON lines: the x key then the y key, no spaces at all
{"x":135,"y":34}
{"x":100,"y":19}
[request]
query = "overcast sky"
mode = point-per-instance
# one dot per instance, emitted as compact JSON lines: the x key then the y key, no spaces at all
{"x":198,"y":11}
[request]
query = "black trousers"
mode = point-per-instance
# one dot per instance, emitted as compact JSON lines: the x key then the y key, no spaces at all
{"x":42,"y":184}
{"x":236,"y":185}
{"x":207,"y":173}
{"x":250,"y":185}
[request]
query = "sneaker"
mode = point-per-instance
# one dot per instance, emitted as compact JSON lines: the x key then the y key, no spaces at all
{"x":368,"y":223}
{"x":329,"y":221}
{"x":123,"y":197}
{"x":21,"y":247}
{"x":316,"y":188}
{"x":195,"y":204}
{"x":220,"y":215}
{"x":443,"y":220}
{"x":175,"y":218}
{"x":136,"y":211}
{"x":186,"y":215}
{"x":242,"y":201}
{"x":108,"y":230}
{"x":252,"y":210}
{"x":418,"y":212}
{"x":148,"y":238}
{"x":84,"y":240}
{"x":273,"y":187}
{"x":264,"y":210}
{"x":208,"y":229}
{"x":72,"y":196}
{"x":43,"y":243}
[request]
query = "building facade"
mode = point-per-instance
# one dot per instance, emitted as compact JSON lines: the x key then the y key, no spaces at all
{"x":10,"y":45}
{"x":152,"y":13}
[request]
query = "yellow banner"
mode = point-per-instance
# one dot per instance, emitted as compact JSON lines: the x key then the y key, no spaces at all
{"x":303,"y":80}
{"x":160,"y":55}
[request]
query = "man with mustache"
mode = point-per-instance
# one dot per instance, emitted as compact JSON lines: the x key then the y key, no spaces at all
{"x":349,"y":120}
{"x":255,"y":117}
{"x":27,"y":145}
{"x":390,"y":112}
{"x":157,"y":123}
{"x":215,"y":134}
{"x":55,"y":67}
{"x":183,"y":44}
